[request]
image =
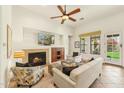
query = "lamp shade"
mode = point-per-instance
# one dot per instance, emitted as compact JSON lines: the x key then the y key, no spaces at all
{"x":19,"y":54}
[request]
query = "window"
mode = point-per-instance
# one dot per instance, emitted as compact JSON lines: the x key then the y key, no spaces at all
{"x":95,"y":44}
{"x":113,"y":47}
{"x":90,"y":42}
{"x":82,"y":45}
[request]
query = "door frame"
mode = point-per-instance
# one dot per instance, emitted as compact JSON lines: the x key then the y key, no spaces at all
{"x":121,"y":49}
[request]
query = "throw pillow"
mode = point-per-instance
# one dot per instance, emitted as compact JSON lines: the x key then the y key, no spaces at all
{"x":78,"y":58}
{"x":87,"y":60}
{"x":91,"y":59}
{"x":67,"y":70}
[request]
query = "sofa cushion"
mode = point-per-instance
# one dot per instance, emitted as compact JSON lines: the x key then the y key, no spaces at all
{"x":78,"y":59}
{"x":82,"y":68}
{"x":87,"y":58}
{"x":74,"y":73}
{"x":54,"y":65}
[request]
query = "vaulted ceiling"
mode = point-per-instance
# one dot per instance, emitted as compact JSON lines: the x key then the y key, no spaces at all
{"x":88,"y":12}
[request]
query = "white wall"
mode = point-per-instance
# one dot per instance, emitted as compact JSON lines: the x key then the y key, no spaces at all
{"x":110,"y":24}
{"x":0,"y":29}
{"x":5,"y":18}
{"x":23,"y":18}
{"x":30,"y":40}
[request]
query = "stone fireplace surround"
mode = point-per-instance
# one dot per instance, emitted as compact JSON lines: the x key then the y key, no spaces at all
{"x":27,"y":51}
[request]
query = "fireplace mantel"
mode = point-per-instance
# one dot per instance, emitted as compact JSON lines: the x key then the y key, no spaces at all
{"x":27,"y":51}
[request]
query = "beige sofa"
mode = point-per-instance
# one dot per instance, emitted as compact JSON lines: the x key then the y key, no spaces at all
{"x":54,"y":65}
{"x":81,"y":77}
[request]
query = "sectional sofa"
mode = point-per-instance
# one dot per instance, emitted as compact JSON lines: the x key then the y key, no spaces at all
{"x":81,"y":77}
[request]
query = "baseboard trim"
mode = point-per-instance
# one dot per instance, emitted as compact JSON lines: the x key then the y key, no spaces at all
{"x":113,"y":65}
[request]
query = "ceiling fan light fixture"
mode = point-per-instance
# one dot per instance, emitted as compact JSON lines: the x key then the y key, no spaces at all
{"x":65,"y":17}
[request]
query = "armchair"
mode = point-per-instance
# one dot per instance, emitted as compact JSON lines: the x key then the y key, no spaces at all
{"x":27,"y":76}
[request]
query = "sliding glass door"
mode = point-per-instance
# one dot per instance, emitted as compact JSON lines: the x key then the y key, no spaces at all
{"x":113,"y":53}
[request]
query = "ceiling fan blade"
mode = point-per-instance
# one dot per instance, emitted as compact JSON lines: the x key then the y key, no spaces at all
{"x":65,"y":9}
{"x":55,"y":17}
{"x":74,"y":11}
{"x":62,"y":21}
{"x":72,"y":19}
{"x":61,"y":9}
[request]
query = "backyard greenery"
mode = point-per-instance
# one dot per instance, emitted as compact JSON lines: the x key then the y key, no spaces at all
{"x":114,"y":55}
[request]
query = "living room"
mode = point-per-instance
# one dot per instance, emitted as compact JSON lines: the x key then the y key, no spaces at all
{"x":96,"y":35}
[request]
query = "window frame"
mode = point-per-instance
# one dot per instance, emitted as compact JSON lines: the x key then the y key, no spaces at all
{"x":82,"y":46}
{"x":95,"y":37}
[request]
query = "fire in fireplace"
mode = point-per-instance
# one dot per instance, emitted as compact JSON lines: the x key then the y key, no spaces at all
{"x":37,"y":58}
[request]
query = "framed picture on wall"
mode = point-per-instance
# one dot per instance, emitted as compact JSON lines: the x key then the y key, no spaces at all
{"x":77,"y":44}
{"x":9,"y":41}
{"x":46,"y":38}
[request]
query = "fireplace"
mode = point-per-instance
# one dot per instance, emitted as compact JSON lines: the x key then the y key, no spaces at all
{"x":36,"y":55}
{"x":37,"y":58}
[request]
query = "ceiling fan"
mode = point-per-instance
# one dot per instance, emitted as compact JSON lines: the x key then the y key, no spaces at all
{"x":65,"y":16}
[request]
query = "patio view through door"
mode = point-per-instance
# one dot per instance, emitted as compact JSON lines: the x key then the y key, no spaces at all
{"x":114,"y":46}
